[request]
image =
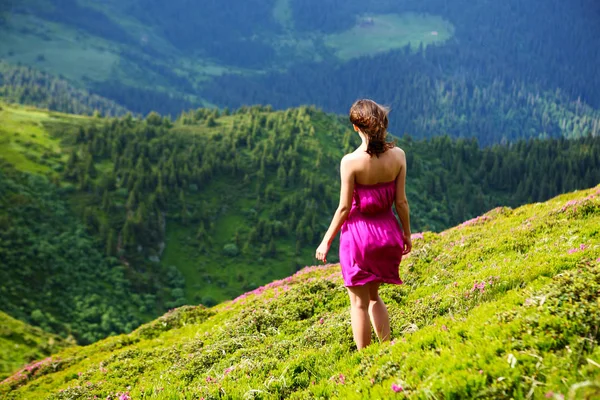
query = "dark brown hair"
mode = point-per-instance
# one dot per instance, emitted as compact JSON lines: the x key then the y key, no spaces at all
{"x":372,"y":120}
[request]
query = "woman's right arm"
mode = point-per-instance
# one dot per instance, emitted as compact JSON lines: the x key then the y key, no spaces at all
{"x":401,"y":203}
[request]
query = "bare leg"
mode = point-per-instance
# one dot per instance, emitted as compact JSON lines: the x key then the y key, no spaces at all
{"x":378,"y":313}
{"x":359,"y":313}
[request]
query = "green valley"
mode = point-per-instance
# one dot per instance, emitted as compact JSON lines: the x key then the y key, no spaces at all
{"x":122,"y":46}
{"x":498,"y":72}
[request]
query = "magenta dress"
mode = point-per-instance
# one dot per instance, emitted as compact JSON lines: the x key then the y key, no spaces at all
{"x":371,"y":241}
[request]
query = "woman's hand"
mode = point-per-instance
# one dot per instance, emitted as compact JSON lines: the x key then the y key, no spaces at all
{"x":322,"y":251}
{"x":407,"y":245}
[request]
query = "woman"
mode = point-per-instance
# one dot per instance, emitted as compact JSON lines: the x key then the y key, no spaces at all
{"x":371,"y":243}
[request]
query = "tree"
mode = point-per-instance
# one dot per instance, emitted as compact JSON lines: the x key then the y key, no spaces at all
{"x":231,"y":250}
{"x":132,"y":200}
{"x":111,"y":244}
{"x":272,"y":248}
{"x":154,"y":119}
{"x":90,"y":168}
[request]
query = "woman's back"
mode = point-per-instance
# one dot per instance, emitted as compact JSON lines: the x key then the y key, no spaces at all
{"x":373,"y":170}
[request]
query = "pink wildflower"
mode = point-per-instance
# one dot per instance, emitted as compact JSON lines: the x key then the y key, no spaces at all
{"x":125,"y":396}
{"x":227,"y":371}
{"x":396,"y":388}
{"x":549,"y":394}
{"x":571,"y":251}
{"x":481,"y":371}
{"x":321,"y":321}
{"x":444,"y":328}
{"x":416,"y":236}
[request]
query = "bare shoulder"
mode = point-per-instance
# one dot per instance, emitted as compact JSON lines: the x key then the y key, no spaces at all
{"x":350,"y":158}
{"x":347,"y":160}
{"x":399,"y":153}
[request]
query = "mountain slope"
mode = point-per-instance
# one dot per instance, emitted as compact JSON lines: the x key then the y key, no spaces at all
{"x":53,"y":273}
{"x":501,"y":306}
{"x":21,"y":343}
{"x":204,"y":208}
{"x":497,"y":71}
{"x":26,"y":85}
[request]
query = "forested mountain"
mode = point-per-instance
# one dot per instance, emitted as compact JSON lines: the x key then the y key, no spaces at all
{"x":128,"y":217}
{"x":25,"y":85}
{"x":55,"y":276}
{"x":428,"y":107}
{"x":485,"y":308}
{"x":497,"y":71}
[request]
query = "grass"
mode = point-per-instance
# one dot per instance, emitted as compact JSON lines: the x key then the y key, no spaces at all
{"x":380,"y":33}
{"x":214,"y":277}
{"x":57,"y":49}
{"x":26,"y":143}
{"x":502,"y":306}
{"x":21,"y":343}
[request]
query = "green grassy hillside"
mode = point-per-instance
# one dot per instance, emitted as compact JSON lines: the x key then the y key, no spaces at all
{"x":21,"y":344}
{"x":374,"y":34}
{"x":501,"y":306}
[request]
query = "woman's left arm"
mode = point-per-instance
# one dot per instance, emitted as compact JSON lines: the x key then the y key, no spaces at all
{"x":347,"y":189}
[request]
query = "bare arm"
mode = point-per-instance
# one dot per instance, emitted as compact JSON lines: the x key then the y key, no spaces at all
{"x":401,"y":203}
{"x":343,"y":210}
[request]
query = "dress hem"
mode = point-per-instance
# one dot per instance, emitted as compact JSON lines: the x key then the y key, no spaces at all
{"x":380,"y":280}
